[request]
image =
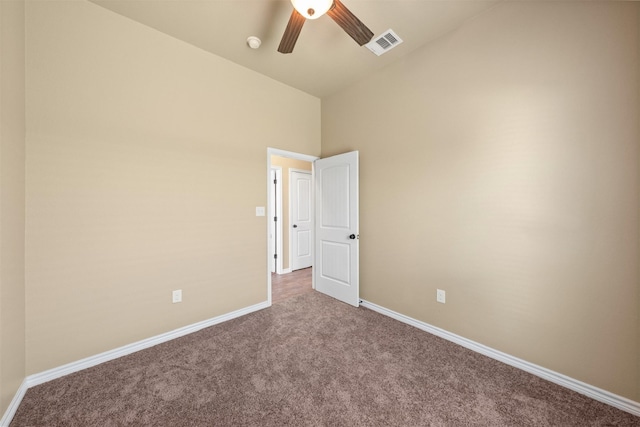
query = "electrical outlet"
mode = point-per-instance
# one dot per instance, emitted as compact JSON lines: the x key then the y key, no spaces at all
{"x":177,"y":296}
{"x":441,"y":296}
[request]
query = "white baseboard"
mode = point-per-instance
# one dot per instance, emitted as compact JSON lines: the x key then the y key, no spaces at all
{"x":61,"y":371}
{"x":13,"y":406}
{"x":595,"y":393}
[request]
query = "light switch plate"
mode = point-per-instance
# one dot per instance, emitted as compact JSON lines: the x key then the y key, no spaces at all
{"x":176,"y":296}
{"x":260,"y":211}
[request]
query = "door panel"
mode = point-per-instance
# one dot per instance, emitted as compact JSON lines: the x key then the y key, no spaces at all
{"x":337,"y":245}
{"x":335,"y":204}
{"x":335,"y":265}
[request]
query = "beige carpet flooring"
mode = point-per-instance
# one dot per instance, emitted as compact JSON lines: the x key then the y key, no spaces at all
{"x":309,"y":361}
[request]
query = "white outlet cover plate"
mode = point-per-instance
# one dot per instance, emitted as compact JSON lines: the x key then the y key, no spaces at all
{"x":441,"y":296}
{"x":177,"y":296}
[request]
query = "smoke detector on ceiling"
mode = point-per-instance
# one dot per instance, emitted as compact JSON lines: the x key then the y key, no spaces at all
{"x":384,"y":43}
{"x":254,"y":42}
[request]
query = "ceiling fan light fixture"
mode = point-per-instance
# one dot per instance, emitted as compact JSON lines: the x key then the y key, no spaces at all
{"x":312,"y":9}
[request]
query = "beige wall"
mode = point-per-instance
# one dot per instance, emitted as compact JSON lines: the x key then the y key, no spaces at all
{"x":500,"y":163}
{"x":12,"y":167}
{"x":143,"y":174}
{"x":287,"y":164}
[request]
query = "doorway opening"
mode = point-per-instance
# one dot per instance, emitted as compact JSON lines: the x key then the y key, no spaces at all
{"x":285,"y":286}
{"x":290,"y":223}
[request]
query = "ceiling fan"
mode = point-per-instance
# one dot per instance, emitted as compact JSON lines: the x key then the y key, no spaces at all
{"x":312,"y":9}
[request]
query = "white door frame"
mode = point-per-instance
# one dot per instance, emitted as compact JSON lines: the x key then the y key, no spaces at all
{"x":291,"y":155}
{"x":291,"y":191}
{"x":277,"y":233}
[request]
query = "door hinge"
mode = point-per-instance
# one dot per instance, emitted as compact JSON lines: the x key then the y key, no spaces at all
{"x":275,"y":218}
{"x":275,"y":256}
{"x":275,"y":181}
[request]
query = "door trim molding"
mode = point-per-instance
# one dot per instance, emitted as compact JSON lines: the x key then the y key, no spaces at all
{"x":278,"y":224}
{"x":290,"y":155}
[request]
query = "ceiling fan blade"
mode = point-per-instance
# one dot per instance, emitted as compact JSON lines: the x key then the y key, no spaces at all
{"x":291,"y":33}
{"x":350,"y":23}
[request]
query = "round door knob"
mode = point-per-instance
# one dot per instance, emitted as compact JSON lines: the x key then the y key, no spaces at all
{"x":295,"y":225}
{"x":352,"y":237}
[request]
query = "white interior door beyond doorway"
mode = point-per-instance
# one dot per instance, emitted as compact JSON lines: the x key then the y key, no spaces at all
{"x":301,"y":233}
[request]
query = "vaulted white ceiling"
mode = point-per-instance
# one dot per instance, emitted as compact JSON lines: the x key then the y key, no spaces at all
{"x":325,"y":58}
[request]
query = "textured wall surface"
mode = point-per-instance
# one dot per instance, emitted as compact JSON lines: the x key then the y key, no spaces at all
{"x":12,"y":228}
{"x":143,"y":174}
{"x":500,"y":164}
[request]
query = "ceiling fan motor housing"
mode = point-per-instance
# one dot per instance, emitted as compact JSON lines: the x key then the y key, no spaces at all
{"x":312,"y":9}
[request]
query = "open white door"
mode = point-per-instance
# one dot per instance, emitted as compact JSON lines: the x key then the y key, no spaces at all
{"x":336,"y":227}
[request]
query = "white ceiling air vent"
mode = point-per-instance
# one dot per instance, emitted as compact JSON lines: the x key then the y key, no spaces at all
{"x":384,"y":43}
